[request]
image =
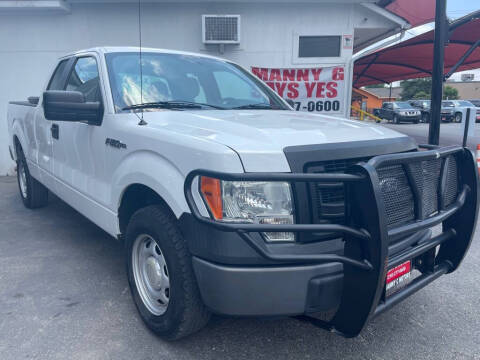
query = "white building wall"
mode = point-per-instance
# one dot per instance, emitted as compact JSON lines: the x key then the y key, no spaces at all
{"x":30,"y":43}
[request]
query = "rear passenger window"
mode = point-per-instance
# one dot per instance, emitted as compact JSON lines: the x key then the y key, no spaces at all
{"x":57,"y":82}
{"x":84,"y":78}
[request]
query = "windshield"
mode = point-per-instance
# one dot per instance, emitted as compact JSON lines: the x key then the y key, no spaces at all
{"x":210,"y":83}
{"x":464,"y":103}
{"x":402,"y":105}
{"x":448,"y":104}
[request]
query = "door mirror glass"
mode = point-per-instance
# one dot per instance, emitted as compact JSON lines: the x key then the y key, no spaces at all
{"x":62,"y":105}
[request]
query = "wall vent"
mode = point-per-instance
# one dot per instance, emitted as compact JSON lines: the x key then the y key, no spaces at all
{"x":221,"y":29}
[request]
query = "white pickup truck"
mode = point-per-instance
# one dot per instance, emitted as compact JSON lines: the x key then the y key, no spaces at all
{"x":230,"y":202}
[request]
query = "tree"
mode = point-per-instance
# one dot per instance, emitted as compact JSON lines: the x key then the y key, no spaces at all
{"x":412,"y":87}
{"x":375,"y":86}
{"x":421,"y":95}
{"x":450,"y":93}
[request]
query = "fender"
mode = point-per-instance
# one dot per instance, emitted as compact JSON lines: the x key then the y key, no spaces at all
{"x":155,"y":171}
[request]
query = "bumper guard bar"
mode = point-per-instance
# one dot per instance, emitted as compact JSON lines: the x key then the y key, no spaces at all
{"x":367,"y":237}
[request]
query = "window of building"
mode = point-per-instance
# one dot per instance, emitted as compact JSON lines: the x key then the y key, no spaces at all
{"x":319,"y":46}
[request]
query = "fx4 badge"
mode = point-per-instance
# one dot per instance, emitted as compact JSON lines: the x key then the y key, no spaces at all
{"x":115,"y":143}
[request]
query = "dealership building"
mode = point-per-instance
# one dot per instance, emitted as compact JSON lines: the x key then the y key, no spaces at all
{"x":280,"y":41}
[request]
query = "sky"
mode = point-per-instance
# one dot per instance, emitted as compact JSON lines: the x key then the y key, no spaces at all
{"x":459,"y":8}
{"x":456,"y":9}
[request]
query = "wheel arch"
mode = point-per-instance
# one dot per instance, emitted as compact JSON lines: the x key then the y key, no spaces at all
{"x":135,"y":197}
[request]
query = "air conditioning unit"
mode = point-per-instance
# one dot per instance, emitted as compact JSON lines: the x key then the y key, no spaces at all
{"x":221,"y":29}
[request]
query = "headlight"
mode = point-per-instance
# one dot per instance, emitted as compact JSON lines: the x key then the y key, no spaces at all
{"x":402,"y":113}
{"x":256,"y":202}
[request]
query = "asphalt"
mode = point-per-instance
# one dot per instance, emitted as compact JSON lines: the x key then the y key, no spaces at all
{"x":450,"y":133}
{"x":64,"y":295}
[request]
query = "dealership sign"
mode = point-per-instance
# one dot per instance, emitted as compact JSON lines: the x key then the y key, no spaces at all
{"x":311,"y":89}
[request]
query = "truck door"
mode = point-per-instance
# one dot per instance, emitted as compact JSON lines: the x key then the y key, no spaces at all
{"x":79,"y":148}
{"x":44,"y":128}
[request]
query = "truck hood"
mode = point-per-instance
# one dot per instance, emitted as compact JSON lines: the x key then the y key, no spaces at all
{"x":260,"y":136}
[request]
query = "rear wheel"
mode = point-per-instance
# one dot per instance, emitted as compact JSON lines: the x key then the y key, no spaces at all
{"x":160,"y":274}
{"x":34,"y":195}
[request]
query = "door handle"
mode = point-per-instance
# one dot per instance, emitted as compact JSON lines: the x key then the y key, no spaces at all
{"x":55,"y":131}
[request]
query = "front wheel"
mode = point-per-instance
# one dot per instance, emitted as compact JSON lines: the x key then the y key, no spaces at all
{"x":160,"y":274}
{"x":425,"y":118}
{"x":395,"y":119}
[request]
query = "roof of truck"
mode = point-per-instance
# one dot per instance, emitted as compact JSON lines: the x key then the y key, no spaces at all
{"x":136,"y":49}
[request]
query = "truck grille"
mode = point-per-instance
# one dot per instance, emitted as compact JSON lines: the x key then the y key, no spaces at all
{"x":397,"y":184}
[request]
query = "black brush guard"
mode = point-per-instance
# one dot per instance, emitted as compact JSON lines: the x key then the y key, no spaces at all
{"x":367,"y":237}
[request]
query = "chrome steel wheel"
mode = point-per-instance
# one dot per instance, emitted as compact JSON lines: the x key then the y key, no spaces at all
{"x":22,"y":179}
{"x":151,"y":275}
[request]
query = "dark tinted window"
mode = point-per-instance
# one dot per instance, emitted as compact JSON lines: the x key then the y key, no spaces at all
{"x":319,"y":46}
{"x":84,"y":78}
{"x":57,"y":82}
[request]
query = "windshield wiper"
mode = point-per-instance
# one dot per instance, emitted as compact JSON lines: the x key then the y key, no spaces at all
{"x":172,"y":104}
{"x":259,"y":106}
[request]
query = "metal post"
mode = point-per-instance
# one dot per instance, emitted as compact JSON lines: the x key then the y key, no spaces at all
{"x":441,"y":27}
{"x":465,"y":132}
{"x":390,"y":96}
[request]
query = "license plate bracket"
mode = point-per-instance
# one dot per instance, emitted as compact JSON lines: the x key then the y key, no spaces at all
{"x":398,"y":277}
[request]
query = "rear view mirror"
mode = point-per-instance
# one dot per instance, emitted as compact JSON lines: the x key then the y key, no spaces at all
{"x":71,"y":106}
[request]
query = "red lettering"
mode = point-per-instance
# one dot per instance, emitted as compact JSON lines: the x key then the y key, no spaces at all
{"x":332,"y":89}
{"x":302,"y":75}
{"x":316,"y":74}
{"x":292,"y":90}
{"x":289,"y":75}
{"x":309,"y":87}
{"x":275,"y":75}
{"x":271,"y":84}
{"x":337,"y":74}
{"x":261,"y":73}
{"x":280,"y":88}
{"x":320,"y":90}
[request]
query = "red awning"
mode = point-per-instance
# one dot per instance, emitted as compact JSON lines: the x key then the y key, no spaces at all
{"x":413,"y":58}
{"x":416,"y":12}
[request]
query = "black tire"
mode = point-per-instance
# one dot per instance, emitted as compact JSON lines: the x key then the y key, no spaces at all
{"x":426,"y":118}
{"x":395,"y":119}
{"x":34,"y":195}
{"x":416,"y":121}
{"x":185,"y":313}
{"x":458,"y":117}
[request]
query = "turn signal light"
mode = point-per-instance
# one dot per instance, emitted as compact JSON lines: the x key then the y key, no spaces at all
{"x":212,"y":194}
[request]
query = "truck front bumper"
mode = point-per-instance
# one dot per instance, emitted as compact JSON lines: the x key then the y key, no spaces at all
{"x":351,"y":284}
{"x":269,"y":291}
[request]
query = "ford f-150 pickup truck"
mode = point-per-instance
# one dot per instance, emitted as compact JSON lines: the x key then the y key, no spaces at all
{"x":230,"y":202}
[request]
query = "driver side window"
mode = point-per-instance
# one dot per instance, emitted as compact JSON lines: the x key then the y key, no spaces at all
{"x":84,"y":78}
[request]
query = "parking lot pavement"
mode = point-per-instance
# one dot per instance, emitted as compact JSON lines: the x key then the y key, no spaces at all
{"x":450,"y":133}
{"x":64,"y":295}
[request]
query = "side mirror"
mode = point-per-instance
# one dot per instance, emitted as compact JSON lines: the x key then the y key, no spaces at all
{"x":290,"y":102}
{"x":71,"y":106}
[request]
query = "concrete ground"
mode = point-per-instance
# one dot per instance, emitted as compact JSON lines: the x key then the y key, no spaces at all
{"x":450,"y":133}
{"x":64,"y":295}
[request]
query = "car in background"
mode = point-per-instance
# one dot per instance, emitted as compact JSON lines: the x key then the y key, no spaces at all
{"x":399,"y":111}
{"x":455,"y":109}
{"x":475,"y":102}
{"x":424,"y":107}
